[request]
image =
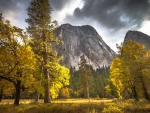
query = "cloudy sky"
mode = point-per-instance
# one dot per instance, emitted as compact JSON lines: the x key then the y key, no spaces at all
{"x":111,"y":18}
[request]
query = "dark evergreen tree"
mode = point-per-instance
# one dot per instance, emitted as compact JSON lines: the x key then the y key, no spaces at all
{"x":1,"y":17}
{"x":99,"y":79}
{"x":85,"y":77}
{"x":41,"y":32}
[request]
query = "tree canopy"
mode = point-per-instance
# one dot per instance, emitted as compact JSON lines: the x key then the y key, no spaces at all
{"x":41,"y":30}
{"x":129,"y":71}
{"x":17,"y":59}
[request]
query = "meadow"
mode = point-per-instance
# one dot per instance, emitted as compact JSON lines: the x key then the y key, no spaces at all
{"x":76,"y":106}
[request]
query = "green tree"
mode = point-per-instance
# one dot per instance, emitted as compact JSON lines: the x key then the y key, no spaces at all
{"x":98,"y":81}
{"x":74,"y":84}
{"x":40,"y":29}
{"x":85,"y":77}
{"x":101,"y":81}
{"x":1,"y":17}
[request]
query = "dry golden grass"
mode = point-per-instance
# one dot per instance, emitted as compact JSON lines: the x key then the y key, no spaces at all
{"x":28,"y":101}
{"x":22,"y":101}
{"x":76,"y":106}
{"x":81,"y":101}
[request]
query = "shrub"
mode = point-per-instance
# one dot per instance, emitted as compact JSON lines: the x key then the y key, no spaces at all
{"x":111,"y":108}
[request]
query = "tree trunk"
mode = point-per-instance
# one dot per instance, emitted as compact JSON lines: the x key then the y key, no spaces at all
{"x":135,"y":94}
{"x":47,"y":84}
{"x":145,"y":91}
{"x":37,"y":97}
{"x":87,"y":91}
{"x":143,"y":86}
{"x":17,"y":88}
{"x":1,"y":94}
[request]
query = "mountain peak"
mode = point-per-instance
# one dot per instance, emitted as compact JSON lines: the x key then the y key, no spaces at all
{"x":139,"y":37}
{"x":83,"y":40}
{"x":84,"y":27}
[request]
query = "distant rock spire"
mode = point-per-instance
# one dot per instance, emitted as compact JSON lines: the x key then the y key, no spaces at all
{"x":139,"y":37}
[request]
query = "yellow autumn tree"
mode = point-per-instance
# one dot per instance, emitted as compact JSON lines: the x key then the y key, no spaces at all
{"x":17,"y":62}
{"x":6,"y":88}
{"x":60,"y":78}
{"x":127,"y":70}
{"x":65,"y":93}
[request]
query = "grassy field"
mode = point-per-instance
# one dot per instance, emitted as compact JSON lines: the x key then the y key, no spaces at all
{"x":29,"y":101}
{"x":76,"y":106}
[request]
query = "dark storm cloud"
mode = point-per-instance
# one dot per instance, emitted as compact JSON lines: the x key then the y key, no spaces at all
{"x":59,"y":4}
{"x":22,"y":5}
{"x":13,"y":5}
{"x":114,"y":14}
{"x":6,"y":5}
{"x":15,"y":11}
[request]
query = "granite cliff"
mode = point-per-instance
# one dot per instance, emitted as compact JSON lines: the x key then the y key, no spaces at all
{"x":83,"y":40}
{"x":139,"y":37}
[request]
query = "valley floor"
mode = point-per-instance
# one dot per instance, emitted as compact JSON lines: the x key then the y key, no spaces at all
{"x":76,"y":106}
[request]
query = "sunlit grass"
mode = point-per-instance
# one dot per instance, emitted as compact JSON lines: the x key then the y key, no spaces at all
{"x":81,"y":101}
{"x":28,"y":101}
{"x":22,"y":101}
{"x":76,"y":106}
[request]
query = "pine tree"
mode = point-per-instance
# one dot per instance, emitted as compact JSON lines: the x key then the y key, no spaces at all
{"x":85,"y":76}
{"x":41,"y":31}
{"x":1,"y":18}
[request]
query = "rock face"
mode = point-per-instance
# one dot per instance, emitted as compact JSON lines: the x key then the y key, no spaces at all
{"x":83,"y":40}
{"x":139,"y":37}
